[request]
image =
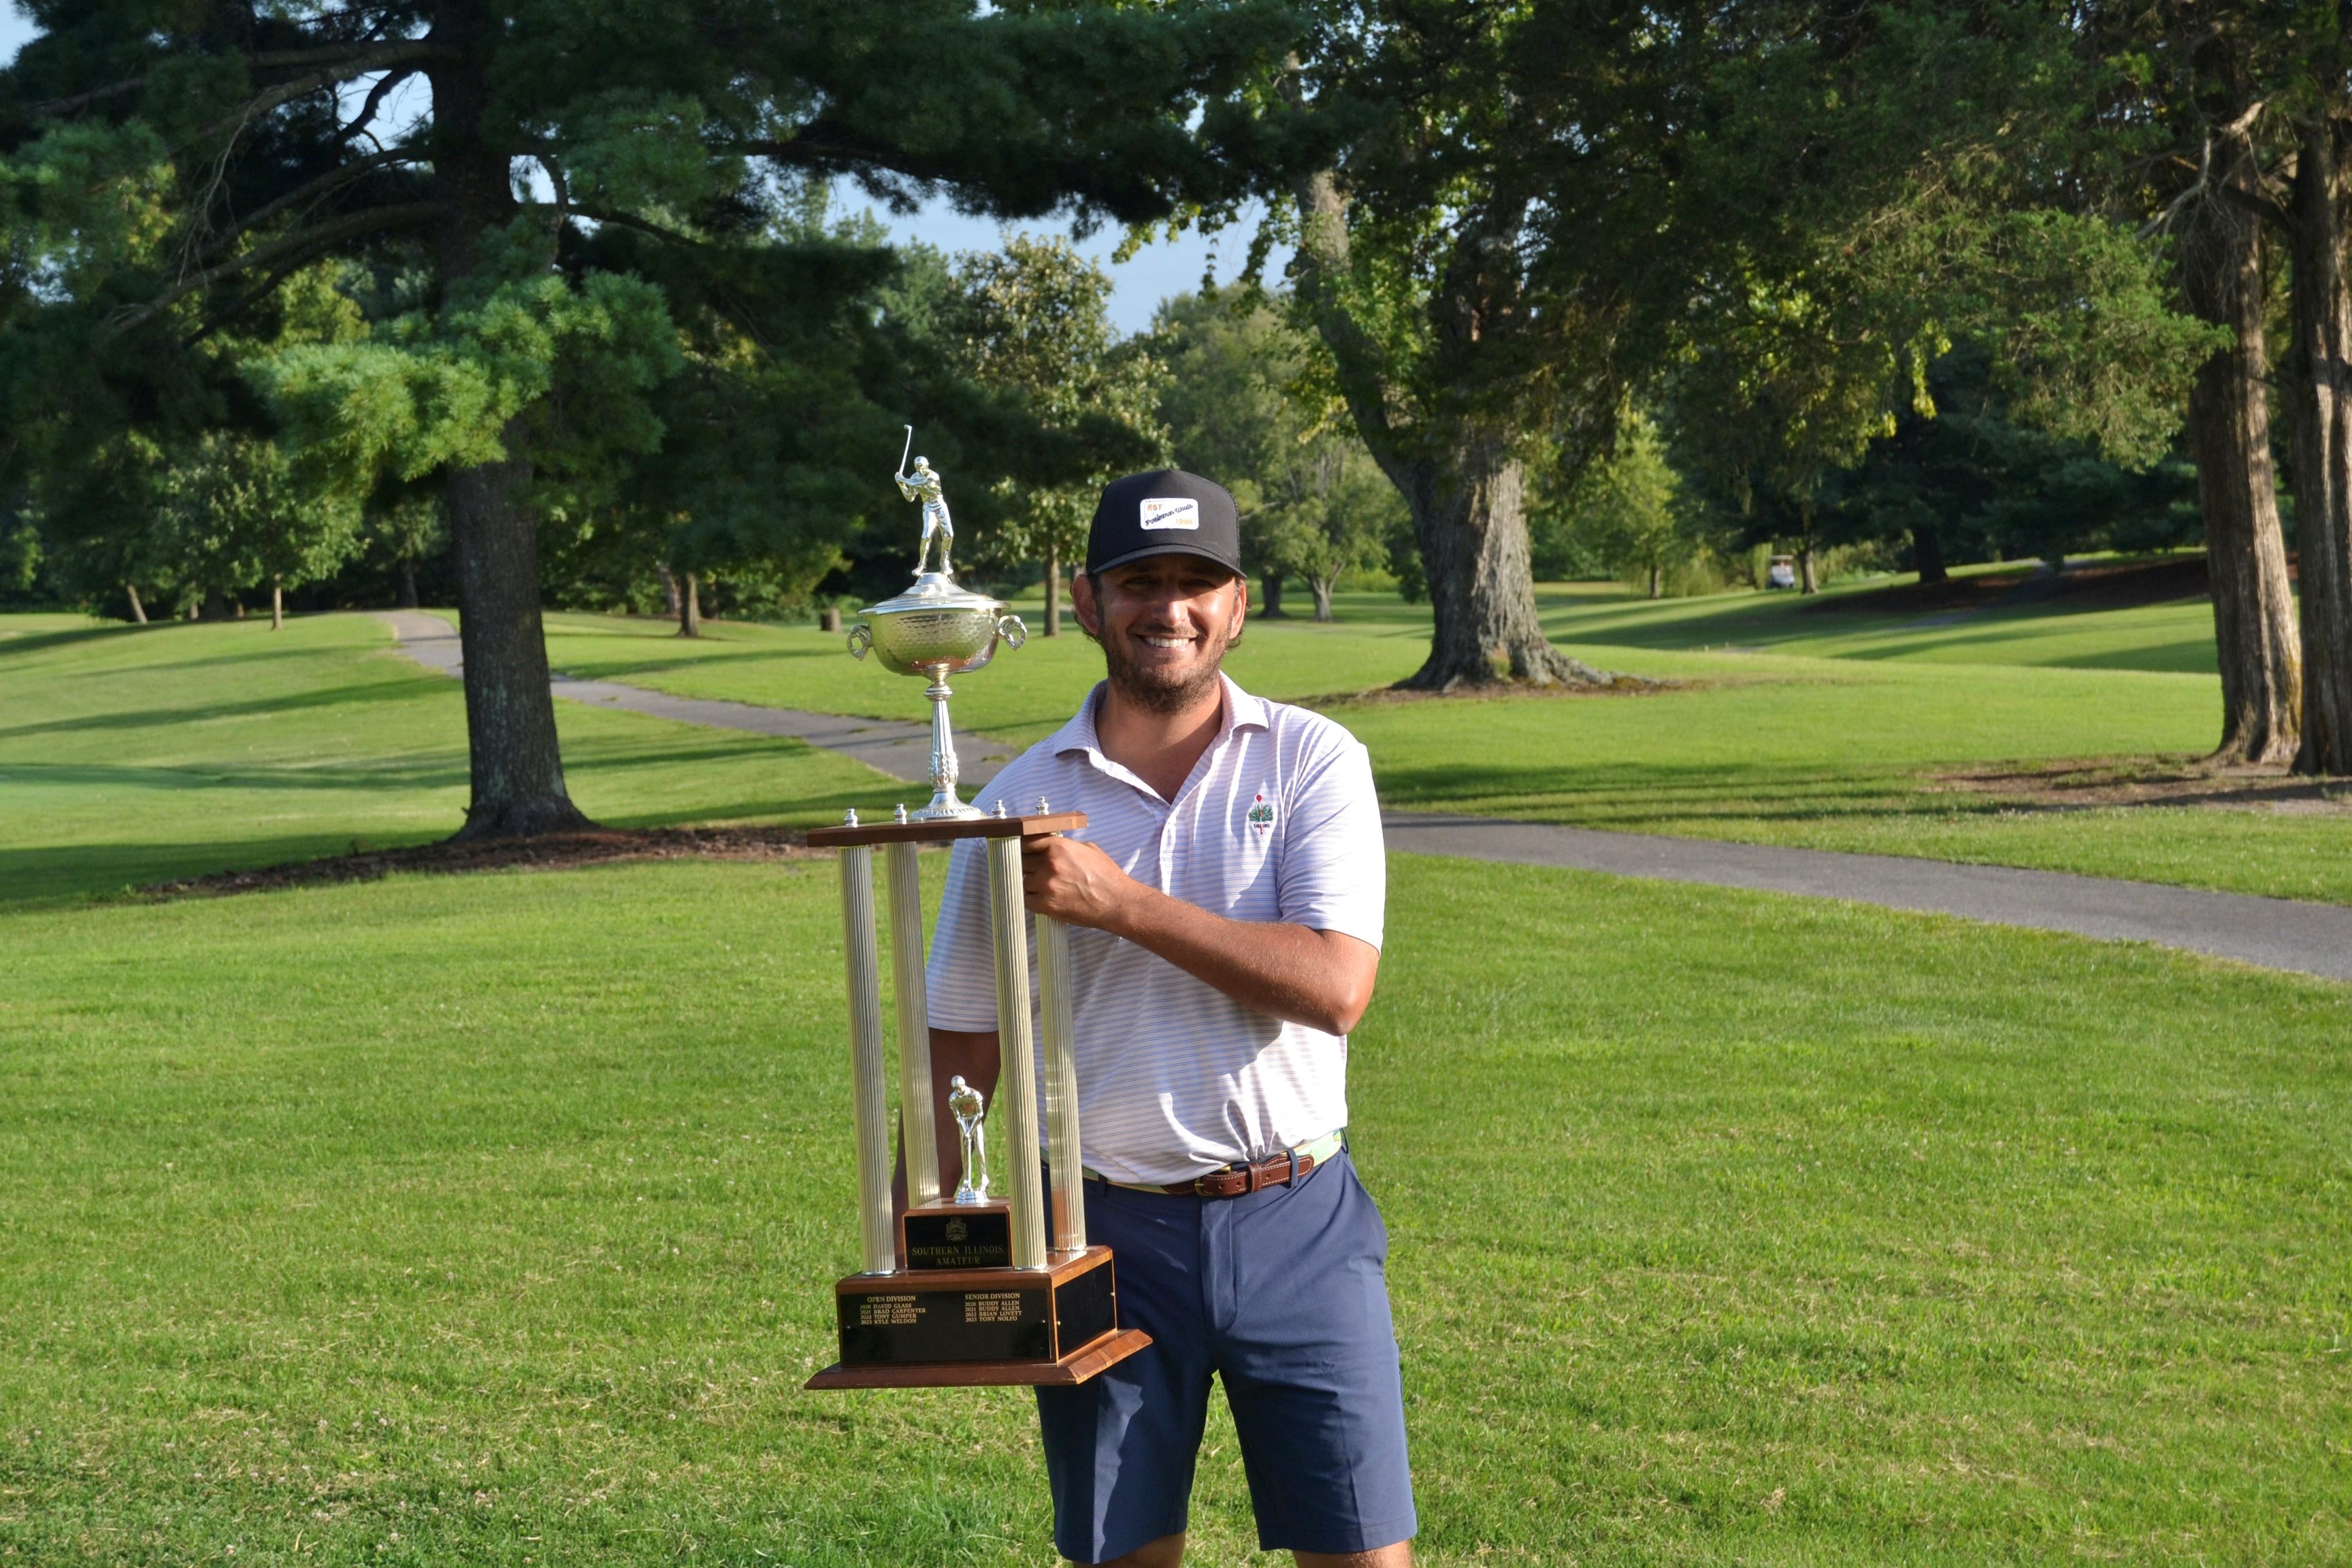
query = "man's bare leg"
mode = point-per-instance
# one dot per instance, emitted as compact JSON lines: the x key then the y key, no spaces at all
{"x":1165,"y":1552}
{"x":1169,"y":1551}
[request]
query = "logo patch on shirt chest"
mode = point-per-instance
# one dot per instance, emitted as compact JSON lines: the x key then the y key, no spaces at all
{"x":1261,"y":813}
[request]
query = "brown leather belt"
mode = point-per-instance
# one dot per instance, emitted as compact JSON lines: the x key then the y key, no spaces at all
{"x":1240,"y":1181}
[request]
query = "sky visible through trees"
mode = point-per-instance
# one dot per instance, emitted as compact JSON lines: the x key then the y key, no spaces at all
{"x":1164,"y":267}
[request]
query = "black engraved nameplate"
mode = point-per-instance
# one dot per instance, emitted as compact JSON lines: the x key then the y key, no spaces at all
{"x":958,"y":1236}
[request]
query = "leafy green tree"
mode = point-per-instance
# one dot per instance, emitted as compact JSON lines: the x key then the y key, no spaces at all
{"x":1969,"y":482}
{"x":2186,"y":97}
{"x":1230,"y":356}
{"x":2255,"y":103}
{"x":1326,"y":508}
{"x":408,"y":525}
{"x":1036,"y":325}
{"x":1779,"y":210}
{"x":1628,"y":508}
{"x":1244,"y":406}
{"x":237,"y":515}
{"x":502,"y":362}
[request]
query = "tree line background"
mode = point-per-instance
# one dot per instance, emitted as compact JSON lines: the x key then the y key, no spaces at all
{"x":517,"y":302}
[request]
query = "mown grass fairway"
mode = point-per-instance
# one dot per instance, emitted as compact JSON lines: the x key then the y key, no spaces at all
{"x":129,"y":755}
{"x":492,"y":1220}
{"x":1834,"y":731}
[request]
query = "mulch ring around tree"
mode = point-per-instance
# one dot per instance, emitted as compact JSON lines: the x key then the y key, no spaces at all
{"x":2107,"y":781}
{"x":553,"y":852}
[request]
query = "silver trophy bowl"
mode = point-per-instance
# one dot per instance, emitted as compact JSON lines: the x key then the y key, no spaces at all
{"x":935,"y":628}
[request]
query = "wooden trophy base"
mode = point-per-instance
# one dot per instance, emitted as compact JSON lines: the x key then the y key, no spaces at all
{"x":963,"y":1327}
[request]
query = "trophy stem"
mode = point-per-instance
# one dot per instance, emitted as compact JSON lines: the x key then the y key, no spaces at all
{"x":869,"y":1094}
{"x":915,"y":1098}
{"x":1066,"y":1204}
{"x":1016,"y":1094}
{"x":945,"y":769}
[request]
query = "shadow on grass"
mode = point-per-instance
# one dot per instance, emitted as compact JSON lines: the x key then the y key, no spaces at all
{"x":370,"y":692}
{"x":37,"y":876}
{"x":1633,"y":795}
{"x":408,"y":774}
{"x":2186,"y":655}
{"x":41,"y":642}
{"x":32,"y":878}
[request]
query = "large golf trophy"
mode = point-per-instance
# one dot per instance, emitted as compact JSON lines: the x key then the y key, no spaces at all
{"x":972,"y":1290}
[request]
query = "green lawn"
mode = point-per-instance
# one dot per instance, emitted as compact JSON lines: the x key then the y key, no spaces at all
{"x":128,"y":755}
{"x":491,"y":1220}
{"x":1828,"y":729}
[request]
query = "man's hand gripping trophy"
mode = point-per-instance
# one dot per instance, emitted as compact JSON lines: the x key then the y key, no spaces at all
{"x":923,"y":486}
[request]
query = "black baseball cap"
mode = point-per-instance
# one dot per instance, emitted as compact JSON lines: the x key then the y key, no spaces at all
{"x":1164,"y":512}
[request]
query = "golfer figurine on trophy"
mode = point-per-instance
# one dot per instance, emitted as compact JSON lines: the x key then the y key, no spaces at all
{"x":975,"y":1289}
{"x":969,"y":1107}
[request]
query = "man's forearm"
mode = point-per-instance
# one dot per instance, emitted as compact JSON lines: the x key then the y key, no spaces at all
{"x":1318,"y":978}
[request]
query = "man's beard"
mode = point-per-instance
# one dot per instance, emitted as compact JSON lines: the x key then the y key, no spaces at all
{"x":1156,"y":691}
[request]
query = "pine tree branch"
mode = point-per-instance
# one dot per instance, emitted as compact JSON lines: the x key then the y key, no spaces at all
{"x":267,"y":61}
{"x":325,"y":183}
{"x":597,"y":214}
{"x":349,"y":226}
{"x":57,"y":106}
{"x":375,"y":101}
{"x":355,"y":63}
{"x":823,"y":145}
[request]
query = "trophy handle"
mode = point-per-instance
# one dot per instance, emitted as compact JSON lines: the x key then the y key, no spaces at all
{"x":861,"y":638}
{"x":1012,"y":630}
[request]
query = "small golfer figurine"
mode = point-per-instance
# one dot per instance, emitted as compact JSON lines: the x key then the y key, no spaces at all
{"x":923,"y":485}
{"x":969,"y":1107}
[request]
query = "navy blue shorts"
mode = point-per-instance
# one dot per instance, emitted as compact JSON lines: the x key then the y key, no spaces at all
{"x":1284,"y":1295}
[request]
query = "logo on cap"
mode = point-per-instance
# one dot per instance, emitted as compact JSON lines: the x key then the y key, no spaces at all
{"x":1172,"y":511}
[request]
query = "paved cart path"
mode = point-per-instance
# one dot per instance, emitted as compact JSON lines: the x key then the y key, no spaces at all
{"x":2276,"y":934}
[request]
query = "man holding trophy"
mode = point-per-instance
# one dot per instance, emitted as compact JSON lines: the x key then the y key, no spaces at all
{"x":1225,"y":909}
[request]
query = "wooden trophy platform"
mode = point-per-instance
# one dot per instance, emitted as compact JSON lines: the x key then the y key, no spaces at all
{"x":963,"y":1327}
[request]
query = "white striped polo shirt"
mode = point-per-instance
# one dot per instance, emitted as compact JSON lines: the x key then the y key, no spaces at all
{"x":1278,"y":823}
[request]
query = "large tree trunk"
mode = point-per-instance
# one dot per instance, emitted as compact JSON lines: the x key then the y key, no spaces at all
{"x":1469,"y":518}
{"x":689,"y":607}
{"x":277,"y":605}
{"x":1270,"y":588}
{"x":407,"y":584}
{"x":517,"y":763}
{"x":1465,"y":486}
{"x":1053,"y":590}
{"x":137,"y":610}
{"x":2230,"y":438}
{"x":518,"y":768}
{"x":1927,"y":554}
{"x":2317,"y":379}
{"x":1321,"y":588}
